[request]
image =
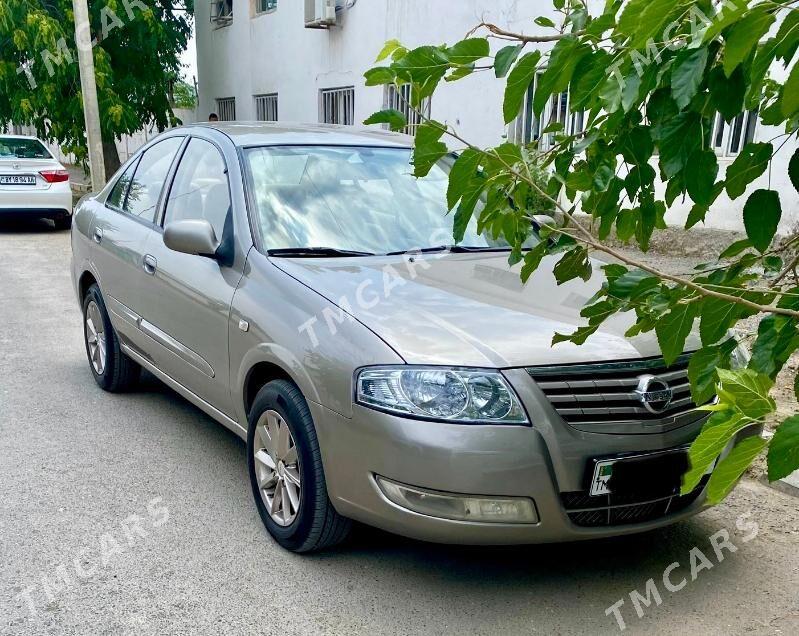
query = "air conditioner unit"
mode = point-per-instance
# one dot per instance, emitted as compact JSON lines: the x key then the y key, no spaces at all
{"x":320,"y":14}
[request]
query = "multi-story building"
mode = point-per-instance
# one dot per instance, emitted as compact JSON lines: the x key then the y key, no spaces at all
{"x":303,"y":61}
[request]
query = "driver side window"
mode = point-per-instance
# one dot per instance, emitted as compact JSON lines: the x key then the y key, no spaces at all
{"x":200,"y":188}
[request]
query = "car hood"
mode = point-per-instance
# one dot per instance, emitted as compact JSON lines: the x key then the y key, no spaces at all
{"x":467,"y":309}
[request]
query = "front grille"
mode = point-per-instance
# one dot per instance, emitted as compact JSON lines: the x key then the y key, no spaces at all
{"x":605,"y":392}
{"x":615,"y":510}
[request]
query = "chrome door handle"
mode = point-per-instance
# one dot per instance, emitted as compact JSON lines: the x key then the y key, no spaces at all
{"x":98,"y":235}
{"x":149,"y":264}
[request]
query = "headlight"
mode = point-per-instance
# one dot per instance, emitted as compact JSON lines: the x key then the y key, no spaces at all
{"x":470,"y":396}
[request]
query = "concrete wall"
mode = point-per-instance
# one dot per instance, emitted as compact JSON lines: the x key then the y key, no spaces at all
{"x":274,"y":53}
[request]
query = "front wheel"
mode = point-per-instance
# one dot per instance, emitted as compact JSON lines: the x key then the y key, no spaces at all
{"x":112,"y":370}
{"x":286,"y":473}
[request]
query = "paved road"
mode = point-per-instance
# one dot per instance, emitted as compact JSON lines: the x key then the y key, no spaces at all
{"x":76,"y":463}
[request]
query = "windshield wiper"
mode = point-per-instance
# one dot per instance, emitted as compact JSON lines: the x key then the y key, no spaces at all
{"x":319,"y":252}
{"x":455,"y":249}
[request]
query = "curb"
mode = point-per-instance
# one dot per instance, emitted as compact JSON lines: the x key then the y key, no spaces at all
{"x":782,"y":486}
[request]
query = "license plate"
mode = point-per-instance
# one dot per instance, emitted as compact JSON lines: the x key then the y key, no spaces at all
{"x":15,"y":179}
{"x":602,"y":473}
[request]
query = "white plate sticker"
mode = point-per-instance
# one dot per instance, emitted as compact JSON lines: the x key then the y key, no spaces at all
{"x":602,"y":472}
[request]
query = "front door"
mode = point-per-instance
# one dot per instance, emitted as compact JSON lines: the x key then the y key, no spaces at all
{"x":187,"y":298}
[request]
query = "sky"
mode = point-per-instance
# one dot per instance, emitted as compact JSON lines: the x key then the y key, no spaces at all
{"x":189,"y":59}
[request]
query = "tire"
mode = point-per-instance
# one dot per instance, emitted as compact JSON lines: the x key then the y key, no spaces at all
{"x":63,"y":222}
{"x":114,"y":372}
{"x":312,"y":524}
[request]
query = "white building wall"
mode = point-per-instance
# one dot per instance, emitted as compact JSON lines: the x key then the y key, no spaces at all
{"x":275,"y":53}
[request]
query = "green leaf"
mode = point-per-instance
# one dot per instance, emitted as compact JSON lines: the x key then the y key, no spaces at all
{"x":747,"y":390}
{"x":519,"y":81}
{"x":645,"y":19}
{"x":424,"y":65}
{"x":532,"y":260}
{"x":750,"y":163}
{"x":702,"y":369}
{"x":379,"y":75}
{"x":777,"y":338}
{"x":700,"y":176}
{"x":744,"y":35}
{"x":696,"y":215}
{"x":589,"y":75}
{"x":505,"y":58}
{"x":544,"y":21}
{"x":563,"y":59}
{"x":727,"y":93}
{"x":762,"y":212}
{"x":790,"y":93}
{"x":736,"y":248}
{"x":632,"y":284}
{"x":686,"y":74}
{"x":730,"y":469}
{"x":388,"y":49}
{"x":716,"y":434}
{"x":625,"y":224}
{"x":469,"y":51}
{"x":468,"y":203}
{"x":718,"y":316}
{"x":463,"y":170}
{"x":682,"y":135}
{"x":636,"y":145}
{"x":783,"y":454}
{"x":672,"y":330}
{"x":574,"y":264}
{"x":428,"y":149}
{"x":793,"y":169}
{"x":394,"y":118}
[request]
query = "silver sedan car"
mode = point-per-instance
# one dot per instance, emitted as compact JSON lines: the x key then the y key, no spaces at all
{"x":298,"y":285}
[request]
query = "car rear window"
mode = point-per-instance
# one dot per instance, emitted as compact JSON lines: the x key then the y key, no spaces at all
{"x":23,"y":148}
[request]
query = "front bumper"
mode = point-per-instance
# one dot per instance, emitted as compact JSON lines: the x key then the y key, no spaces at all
{"x":539,"y":462}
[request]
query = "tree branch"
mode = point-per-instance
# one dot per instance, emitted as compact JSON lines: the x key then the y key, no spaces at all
{"x":520,"y":37}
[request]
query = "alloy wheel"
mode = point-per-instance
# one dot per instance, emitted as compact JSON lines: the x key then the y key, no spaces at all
{"x":277,"y":468}
{"x":95,"y":337}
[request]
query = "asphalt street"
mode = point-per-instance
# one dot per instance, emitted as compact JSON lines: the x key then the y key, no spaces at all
{"x":132,"y":514}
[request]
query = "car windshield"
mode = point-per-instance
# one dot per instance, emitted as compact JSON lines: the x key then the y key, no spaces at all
{"x":353,"y":199}
{"x":23,"y":148}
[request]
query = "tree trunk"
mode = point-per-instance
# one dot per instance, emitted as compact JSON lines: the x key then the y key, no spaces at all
{"x":110,"y":158}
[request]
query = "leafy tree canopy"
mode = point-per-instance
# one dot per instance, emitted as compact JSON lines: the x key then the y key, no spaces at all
{"x":136,"y":53}
{"x":650,"y":77}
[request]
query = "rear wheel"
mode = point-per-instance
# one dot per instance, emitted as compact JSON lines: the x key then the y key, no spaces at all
{"x":286,"y":474}
{"x":112,"y":370}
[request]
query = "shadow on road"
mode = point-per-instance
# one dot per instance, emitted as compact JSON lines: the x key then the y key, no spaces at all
{"x":26,"y":225}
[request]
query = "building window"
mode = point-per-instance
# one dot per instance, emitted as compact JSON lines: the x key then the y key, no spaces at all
{"x":264,"y":6}
{"x":266,"y":107}
{"x":399,"y":98}
{"x":221,"y":12}
{"x":337,"y":105}
{"x":729,"y":138}
{"x":527,"y":128}
{"x":226,"y":108}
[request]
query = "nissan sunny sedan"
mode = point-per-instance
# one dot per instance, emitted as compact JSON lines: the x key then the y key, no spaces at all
{"x":297,"y":284}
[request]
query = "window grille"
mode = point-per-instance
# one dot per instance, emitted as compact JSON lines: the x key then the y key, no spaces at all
{"x":266,"y":107}
{"x":226,"y":108}
{"x":337,"y":105}
{"x":399,"y":98}
{"x":729,"y":138}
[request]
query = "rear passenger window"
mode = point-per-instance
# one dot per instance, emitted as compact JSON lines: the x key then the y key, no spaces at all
{"x":148,"y":180}
{"x":200,"y":189}
{"x":117,"y":197}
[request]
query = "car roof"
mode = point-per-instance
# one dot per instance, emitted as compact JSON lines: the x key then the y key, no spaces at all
{"x":4,"y":136}
{"x":259,"y":133}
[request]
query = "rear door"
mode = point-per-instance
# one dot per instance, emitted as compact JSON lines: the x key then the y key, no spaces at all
{"x":120,"y":229}
{"x":187,"y":298}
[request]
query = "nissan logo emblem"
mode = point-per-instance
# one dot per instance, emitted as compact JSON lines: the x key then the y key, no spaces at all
{"x":654,"y":393}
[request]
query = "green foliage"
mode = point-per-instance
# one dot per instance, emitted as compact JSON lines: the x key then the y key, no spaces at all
{"x":136,"y":58}
{"x":650,"y":77}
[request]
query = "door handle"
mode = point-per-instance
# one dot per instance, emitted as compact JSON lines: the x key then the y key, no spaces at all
{"x":98,"y":235}
{"x":149,"y":264}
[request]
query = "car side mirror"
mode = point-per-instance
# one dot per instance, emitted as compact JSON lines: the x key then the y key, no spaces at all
{"x":191,"y":236}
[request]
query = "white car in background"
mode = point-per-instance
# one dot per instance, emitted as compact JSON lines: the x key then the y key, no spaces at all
{"x":32,"y":182}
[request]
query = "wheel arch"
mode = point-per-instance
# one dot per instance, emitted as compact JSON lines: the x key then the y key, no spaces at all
{"x":86,"y":280}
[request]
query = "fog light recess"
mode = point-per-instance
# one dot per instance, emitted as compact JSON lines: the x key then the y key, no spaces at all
{"x":443,"y":505}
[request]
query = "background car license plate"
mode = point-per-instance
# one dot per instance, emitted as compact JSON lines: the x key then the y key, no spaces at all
{"x":15,"y":179}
